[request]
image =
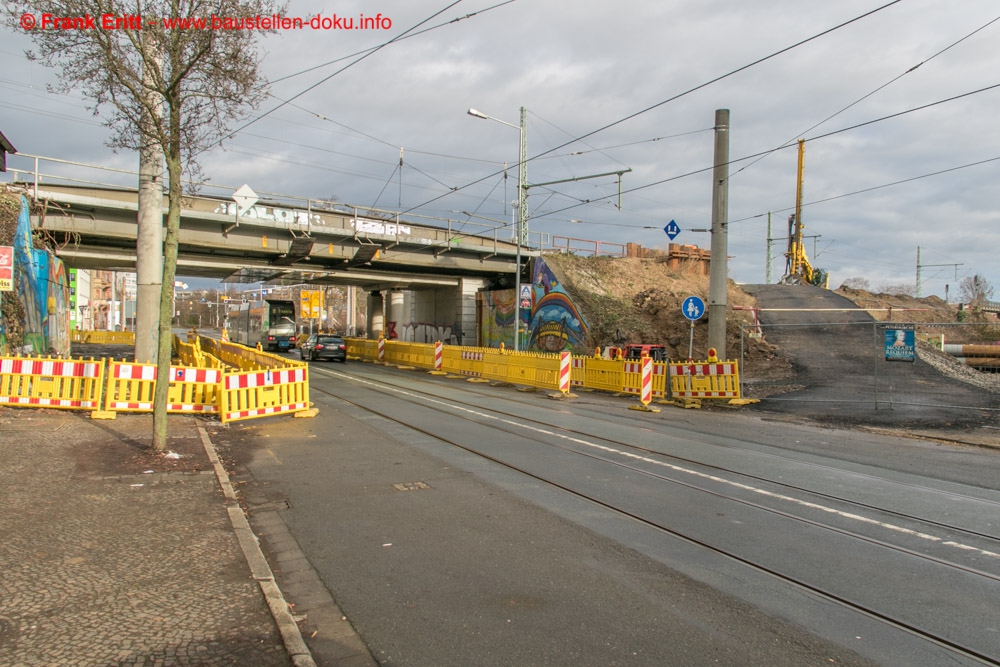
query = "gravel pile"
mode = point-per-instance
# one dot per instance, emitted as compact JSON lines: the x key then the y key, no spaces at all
{"x":957,"y":370}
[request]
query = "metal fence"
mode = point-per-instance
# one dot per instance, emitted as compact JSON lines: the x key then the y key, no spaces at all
{"x":838,"y":367}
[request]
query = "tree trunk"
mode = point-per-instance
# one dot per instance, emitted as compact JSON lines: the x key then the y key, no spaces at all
{"x":164,"y":344}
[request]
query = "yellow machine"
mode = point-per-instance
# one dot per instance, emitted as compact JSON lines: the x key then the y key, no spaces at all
{"x":797,"y":266}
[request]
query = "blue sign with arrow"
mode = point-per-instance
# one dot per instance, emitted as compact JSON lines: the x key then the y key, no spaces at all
{"x":693,"y":308}
{"x":672,"y":229}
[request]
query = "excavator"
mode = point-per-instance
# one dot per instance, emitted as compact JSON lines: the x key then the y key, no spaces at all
{"x":798,"y":269}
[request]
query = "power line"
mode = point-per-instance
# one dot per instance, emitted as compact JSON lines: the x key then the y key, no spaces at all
{"x":792,"y":141}
{"x":873,"y":188}
{"x":680,"y":95}
{"x":342,"y":69}
{"x":419,"y":32}
{"x":820,"y":136}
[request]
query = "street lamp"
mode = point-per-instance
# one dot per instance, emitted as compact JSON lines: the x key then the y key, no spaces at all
{"x":522,"y":210}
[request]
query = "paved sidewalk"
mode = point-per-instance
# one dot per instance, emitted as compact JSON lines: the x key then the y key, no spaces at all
{"x":113,"y":556}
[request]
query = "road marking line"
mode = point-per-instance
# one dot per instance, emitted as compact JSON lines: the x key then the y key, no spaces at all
{"x":745,"y":487}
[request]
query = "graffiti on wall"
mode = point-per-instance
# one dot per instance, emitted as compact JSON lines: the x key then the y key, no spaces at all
{"x":418,"y":332}
{"x":496,"y":324}
{"x":43,"y":290}
{"x":556,"y":323}
{"x":550,"y":321}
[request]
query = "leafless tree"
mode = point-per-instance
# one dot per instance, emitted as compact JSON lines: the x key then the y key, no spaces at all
{"x":904,"y":289}
{"x":858,"y":283}
{"x":177,"y":87}
{"x":975,"y":290}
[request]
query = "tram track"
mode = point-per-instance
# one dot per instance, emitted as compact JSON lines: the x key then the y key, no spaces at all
{"x":507,"y":423}
{"x":697,"y":438}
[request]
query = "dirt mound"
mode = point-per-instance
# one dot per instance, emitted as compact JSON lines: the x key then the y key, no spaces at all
{"x":638,"y":300}
{"x":901,"y":307}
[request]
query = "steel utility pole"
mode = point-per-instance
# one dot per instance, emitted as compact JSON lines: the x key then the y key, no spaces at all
{"x":920,"y":268}
{"x":718,"y":275}
{"x":767,"y":263}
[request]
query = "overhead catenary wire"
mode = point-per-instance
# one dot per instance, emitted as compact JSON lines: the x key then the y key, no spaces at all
{"x":872,"y":189}
{"x":412,"y":34}
{"x":792,"y":141}
{"x":678,"y":96}
{"x":817,"y":137}
{"x":342,"y":69}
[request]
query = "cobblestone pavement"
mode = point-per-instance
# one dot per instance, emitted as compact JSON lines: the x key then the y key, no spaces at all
{"x":111,"y":555}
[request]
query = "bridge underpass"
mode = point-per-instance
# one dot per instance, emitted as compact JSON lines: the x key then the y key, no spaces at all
{"x":422,"y":279}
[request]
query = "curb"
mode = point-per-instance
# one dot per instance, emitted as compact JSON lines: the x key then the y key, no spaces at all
{"x":261,"y":571}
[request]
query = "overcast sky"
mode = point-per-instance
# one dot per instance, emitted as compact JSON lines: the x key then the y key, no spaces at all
{"x":583,"y":65}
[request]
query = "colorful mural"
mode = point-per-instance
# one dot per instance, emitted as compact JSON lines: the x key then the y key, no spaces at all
{"x":550,"y":323}
{"x":556,"y":323}
{"x":43,"y":289}
{"x":496,"y":323}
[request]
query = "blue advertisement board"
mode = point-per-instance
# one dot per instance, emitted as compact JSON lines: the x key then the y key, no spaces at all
{"x":900,"y":343}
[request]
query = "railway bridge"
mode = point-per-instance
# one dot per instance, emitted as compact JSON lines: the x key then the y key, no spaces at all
{"x":426,"y":273}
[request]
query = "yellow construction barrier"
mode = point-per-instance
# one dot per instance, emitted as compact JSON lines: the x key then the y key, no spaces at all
{"x":410,"y":354}
{"x":249,"y":395}
{"x":527,"y":368}
{"x":131,"y":387}
{"x":245,"y":358}
{"x":102,"y":337}
{"x":695,"y":380}
{"x":68,"y":384}
{"x":191,"y":354}
{"x":710,"y":379}
{"x":632,"y":378}
{"x":602,"y":374}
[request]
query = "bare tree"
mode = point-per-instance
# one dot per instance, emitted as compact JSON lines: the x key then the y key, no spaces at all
{"x":904,"y":289}
{"x":975,"y":290}
{"x":204,"y":78}
{"x":857,"y":283}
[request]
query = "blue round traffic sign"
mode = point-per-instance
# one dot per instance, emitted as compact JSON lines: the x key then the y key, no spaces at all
{"x":693,"y":308}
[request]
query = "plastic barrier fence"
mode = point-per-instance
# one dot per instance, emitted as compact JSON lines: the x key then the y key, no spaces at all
{"x":264,"y":393}
{"x":131,"y":388}
{"x":361,"y":348}
{"x":245,"y":358}
{"x":103,"y":337}
{"x":191,"y":354}
{"x":602,"y":374}
{"x":69,"y":384}
{"x":632,"y":378}
{"x":681,"y":380}
{"x":705,"y":380}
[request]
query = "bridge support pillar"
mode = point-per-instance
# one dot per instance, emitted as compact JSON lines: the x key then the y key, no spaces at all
{"x":376,"y":314}
{"x":395,"y":315}
{"x":466,"y":311}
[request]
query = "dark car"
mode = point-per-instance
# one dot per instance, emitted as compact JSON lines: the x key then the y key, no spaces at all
{"x":323,"y":346}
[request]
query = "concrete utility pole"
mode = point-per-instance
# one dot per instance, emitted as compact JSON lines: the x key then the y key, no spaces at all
{"x":149,"y":232}
{"x":718,"y":276}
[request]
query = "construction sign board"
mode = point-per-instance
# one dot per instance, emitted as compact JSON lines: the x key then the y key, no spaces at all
{"x":6,"y":268}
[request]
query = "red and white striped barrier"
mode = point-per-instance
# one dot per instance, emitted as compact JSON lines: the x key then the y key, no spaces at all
{"x":438,"y":355}
{"x":705,"y":380}
{"x":576,"y":377}
{"x":381,"y":349}
{"x":131,"y":388}
{"x":565,"y":365}
{"x":632,"y":378}
{"x":52,"y":383}
{"x":646,"y":393}
{"x":264,"y":393}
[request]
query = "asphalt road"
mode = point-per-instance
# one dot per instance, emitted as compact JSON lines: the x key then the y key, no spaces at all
{"x":839,"y":360}
{"x":728,"y":538}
